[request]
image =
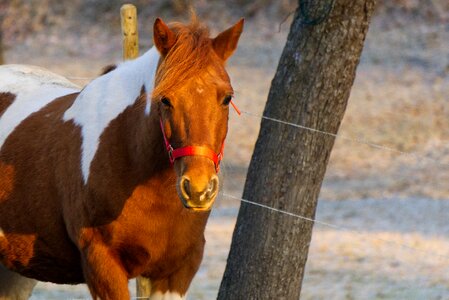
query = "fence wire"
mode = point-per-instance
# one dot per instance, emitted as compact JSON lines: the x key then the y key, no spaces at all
{"x":351,"y":139}
{"x":338,"y":227}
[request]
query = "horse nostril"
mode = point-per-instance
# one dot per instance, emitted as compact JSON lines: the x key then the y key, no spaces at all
{"x":212,"y":188}
{"x":185,"y":187}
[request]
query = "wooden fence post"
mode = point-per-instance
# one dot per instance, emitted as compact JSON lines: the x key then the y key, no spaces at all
{"x":128,"y":13}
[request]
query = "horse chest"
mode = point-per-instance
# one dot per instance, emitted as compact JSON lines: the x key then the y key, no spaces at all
{"x":161,"y":244}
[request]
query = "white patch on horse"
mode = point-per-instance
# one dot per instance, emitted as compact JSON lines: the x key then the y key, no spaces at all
{"x":34,"y":88}
{"x":167,"y":296}
{"x":200,"y":90}
{"x":106,"y":97}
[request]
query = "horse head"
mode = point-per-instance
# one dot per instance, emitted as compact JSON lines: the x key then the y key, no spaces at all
{"x":192,"y":94}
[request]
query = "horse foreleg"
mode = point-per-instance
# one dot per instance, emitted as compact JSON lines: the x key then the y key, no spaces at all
{"x":104,"y":274}
{"x":176,"y":285}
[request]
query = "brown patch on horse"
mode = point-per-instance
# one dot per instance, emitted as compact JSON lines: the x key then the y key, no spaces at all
{"x":6,"y":180}
{"x":35,"y":184}
{"x":6,"y":99}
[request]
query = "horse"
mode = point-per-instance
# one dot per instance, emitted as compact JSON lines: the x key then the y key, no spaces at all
{"x":116,"y":180}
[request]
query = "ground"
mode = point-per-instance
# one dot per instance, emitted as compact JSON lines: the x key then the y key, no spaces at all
{"x":391,"y":239}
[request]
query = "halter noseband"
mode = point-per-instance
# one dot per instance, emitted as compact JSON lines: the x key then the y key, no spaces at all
{"x":174,"y":154}
{"x":204,"y":151}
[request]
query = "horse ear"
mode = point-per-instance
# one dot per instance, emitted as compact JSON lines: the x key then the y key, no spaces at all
{"x":163,"y":37}
{"x":226,"y":42}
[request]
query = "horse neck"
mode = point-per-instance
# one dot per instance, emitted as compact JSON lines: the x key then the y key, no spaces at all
{"x":141,"y":128}
{"x":146,"y":148}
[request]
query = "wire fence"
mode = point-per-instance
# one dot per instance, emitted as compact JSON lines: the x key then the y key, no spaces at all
{"x":331,"y":225}
{"x":351,"y":139}
{"x":338,"y":227}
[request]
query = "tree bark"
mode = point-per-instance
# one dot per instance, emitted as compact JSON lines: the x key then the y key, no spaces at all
{"x":311,"y":88}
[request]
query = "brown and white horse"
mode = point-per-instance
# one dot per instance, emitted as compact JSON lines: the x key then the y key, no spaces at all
{"x":88,"y":192}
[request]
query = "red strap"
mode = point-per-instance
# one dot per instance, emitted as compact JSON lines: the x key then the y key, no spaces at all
{"x":196,"y":150}
{"x":167,"y":144}
{"x":237,"y":110}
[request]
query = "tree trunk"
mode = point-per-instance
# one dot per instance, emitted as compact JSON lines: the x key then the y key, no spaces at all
{"x":311,"y":88}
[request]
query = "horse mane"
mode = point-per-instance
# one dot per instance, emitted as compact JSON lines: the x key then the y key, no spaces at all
{"x":107,"y":69}
{"x":192,"y":53}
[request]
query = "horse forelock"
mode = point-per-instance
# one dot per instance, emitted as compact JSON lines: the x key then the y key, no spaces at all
{"x":191,"y":55}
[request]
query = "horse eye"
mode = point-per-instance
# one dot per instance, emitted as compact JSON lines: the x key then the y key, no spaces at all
{"x":227,"y":100}
{"x":166,"y":102}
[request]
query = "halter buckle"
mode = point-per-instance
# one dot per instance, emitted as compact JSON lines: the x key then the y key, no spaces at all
{"x":170,"y":154}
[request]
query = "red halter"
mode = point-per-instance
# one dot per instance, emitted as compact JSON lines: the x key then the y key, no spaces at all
{"x":174,"y":154}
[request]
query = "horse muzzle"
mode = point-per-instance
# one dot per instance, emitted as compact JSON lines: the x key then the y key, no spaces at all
{"x":198,"y":195}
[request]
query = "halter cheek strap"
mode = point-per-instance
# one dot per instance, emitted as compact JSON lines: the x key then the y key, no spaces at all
{"x":204,"y":151}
